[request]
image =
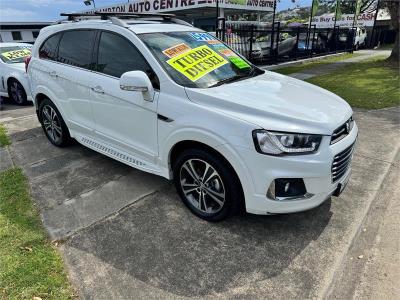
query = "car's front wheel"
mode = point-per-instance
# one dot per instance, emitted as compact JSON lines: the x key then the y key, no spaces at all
{"x":207,"y":184}
{"x":53,"y":124}
{"x":17,"y":92}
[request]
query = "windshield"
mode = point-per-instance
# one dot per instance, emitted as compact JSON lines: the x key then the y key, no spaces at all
{"x":197,"y":59}
{"x":14,"y":54}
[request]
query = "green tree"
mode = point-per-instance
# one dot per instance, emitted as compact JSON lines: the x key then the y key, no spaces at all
{"x":394,"y":9}
{"x":393,"y":6}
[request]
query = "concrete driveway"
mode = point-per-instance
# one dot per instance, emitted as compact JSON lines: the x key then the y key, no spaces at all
{"x":125,"y":234}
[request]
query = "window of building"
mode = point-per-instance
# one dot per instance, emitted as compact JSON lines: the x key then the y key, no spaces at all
{"x":16,"y":35}
{"x":35,"y":34}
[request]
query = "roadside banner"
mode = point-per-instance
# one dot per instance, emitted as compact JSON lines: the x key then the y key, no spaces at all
{"x":330,"y":13}
{"x":314,"y":7}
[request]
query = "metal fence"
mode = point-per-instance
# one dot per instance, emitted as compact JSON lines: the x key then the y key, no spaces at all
{"x":274,"y":44}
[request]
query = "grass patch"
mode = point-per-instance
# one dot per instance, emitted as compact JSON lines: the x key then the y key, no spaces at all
{"x":311,"y":64}
{"x":370,"y":84}
{"x":29,"y":265}
{"x":4,"y":140}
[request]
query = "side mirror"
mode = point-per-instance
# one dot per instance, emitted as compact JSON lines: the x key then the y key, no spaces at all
{"x":137,"y":81}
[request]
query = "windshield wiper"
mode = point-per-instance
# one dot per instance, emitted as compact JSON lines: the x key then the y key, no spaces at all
{"x":227,"y":80}
{"x":233,"y":78}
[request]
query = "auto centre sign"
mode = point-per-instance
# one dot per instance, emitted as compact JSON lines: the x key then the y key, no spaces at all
{"x":346,"y":20}
{"x":159,"y":6}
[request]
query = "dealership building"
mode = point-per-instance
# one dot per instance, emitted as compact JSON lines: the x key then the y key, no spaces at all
{"x":200,"y":13}
{"x":20,"y":32}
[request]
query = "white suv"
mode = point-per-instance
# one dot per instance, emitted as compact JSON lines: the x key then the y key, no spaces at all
{"x":170,"y":99}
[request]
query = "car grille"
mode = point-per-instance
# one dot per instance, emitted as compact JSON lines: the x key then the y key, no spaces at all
{"x":341,"y":163}
{"x":342,"y":131}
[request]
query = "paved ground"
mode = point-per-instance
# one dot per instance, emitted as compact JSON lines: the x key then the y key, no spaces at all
{"x":328,"y":68}
{"x":376,"y":275}
{"x":125,"y":234}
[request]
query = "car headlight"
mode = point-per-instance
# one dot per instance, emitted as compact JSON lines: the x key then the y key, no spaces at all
{"x":278,"y":143}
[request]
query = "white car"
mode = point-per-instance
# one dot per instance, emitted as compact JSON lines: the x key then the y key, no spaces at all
{"x":359,"y":39}
{"x":14,"y":80}
{"x":170,"y":99}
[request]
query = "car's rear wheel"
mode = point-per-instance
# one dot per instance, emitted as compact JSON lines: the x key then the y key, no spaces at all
{"x":53,"y":124}
{"x":17,"y":92}
{"x":207,"y":184}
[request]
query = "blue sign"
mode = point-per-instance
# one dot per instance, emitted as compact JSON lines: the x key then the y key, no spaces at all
{"x":202,"y":36}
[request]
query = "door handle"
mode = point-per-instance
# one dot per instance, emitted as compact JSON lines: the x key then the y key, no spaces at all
{"x":97,"y":89}
{"x":53,"y":74}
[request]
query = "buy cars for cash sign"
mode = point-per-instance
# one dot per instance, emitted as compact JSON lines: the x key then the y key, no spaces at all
{"x":197,"y":62}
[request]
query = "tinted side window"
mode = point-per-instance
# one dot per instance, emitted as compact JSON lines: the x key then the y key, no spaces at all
{"x":76,"y":48}
{"x":117,"y":55}
{"x":48,"y":50}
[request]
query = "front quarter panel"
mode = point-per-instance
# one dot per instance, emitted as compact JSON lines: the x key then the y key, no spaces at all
{"x":193,"y":122}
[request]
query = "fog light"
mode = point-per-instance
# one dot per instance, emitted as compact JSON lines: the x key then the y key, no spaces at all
{"x":282,"y":188}
{"x":271,"y":190}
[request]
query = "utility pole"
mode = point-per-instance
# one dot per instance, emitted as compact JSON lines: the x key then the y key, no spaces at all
{"x":272,"y":29}
{"x":217,"y":17}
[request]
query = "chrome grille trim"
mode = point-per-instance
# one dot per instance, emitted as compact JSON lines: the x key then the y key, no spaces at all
{"x":342,"y":131}
{"x":341,"y":163}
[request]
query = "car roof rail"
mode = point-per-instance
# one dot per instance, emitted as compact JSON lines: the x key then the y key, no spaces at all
{"x":120,"y":18}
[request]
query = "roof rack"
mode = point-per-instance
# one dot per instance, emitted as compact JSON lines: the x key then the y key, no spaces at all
{"x":118,"y":18}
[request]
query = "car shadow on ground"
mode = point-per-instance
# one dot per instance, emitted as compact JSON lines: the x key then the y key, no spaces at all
{"x":9,"y":104}
{"x":156,"y":240}
{"x":159,"y":242}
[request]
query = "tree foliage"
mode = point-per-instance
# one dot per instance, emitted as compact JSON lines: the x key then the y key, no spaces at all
{"x":346,"y":6}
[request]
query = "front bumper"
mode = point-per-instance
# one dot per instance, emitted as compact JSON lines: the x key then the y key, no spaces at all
{"x":314,"y":169}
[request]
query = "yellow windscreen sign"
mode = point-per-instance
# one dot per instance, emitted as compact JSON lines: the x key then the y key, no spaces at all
{"x":16,"y":54}
{"x":197,"y":62}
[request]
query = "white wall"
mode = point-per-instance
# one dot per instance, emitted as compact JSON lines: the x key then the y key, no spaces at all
{"x":27,"y":36}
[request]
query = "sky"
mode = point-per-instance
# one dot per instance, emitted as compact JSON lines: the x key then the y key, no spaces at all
{"x":49,"y":10}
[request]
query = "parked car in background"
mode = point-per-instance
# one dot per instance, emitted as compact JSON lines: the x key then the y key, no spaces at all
{"x":238,"y":43}
{"x":14,"y":80}
{"x":262,"y":46}
{"x":316,"y":43}
{"x":167,"y":98}
{"x":360,"y":37}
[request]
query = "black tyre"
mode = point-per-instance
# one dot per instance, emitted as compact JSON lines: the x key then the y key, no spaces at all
{"x":17,"y":92}
{"x":207,"y":184}
{"x":53,"y":124}
{"x":357,"y":47}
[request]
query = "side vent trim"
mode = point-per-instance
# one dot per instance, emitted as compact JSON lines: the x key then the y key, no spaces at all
{"x":164,"y":118}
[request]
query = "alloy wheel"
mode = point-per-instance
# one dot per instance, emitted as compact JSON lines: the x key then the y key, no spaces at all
{"x":202,"y":186}
{"x":17,"y":93}
{"x":51,"y":123}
